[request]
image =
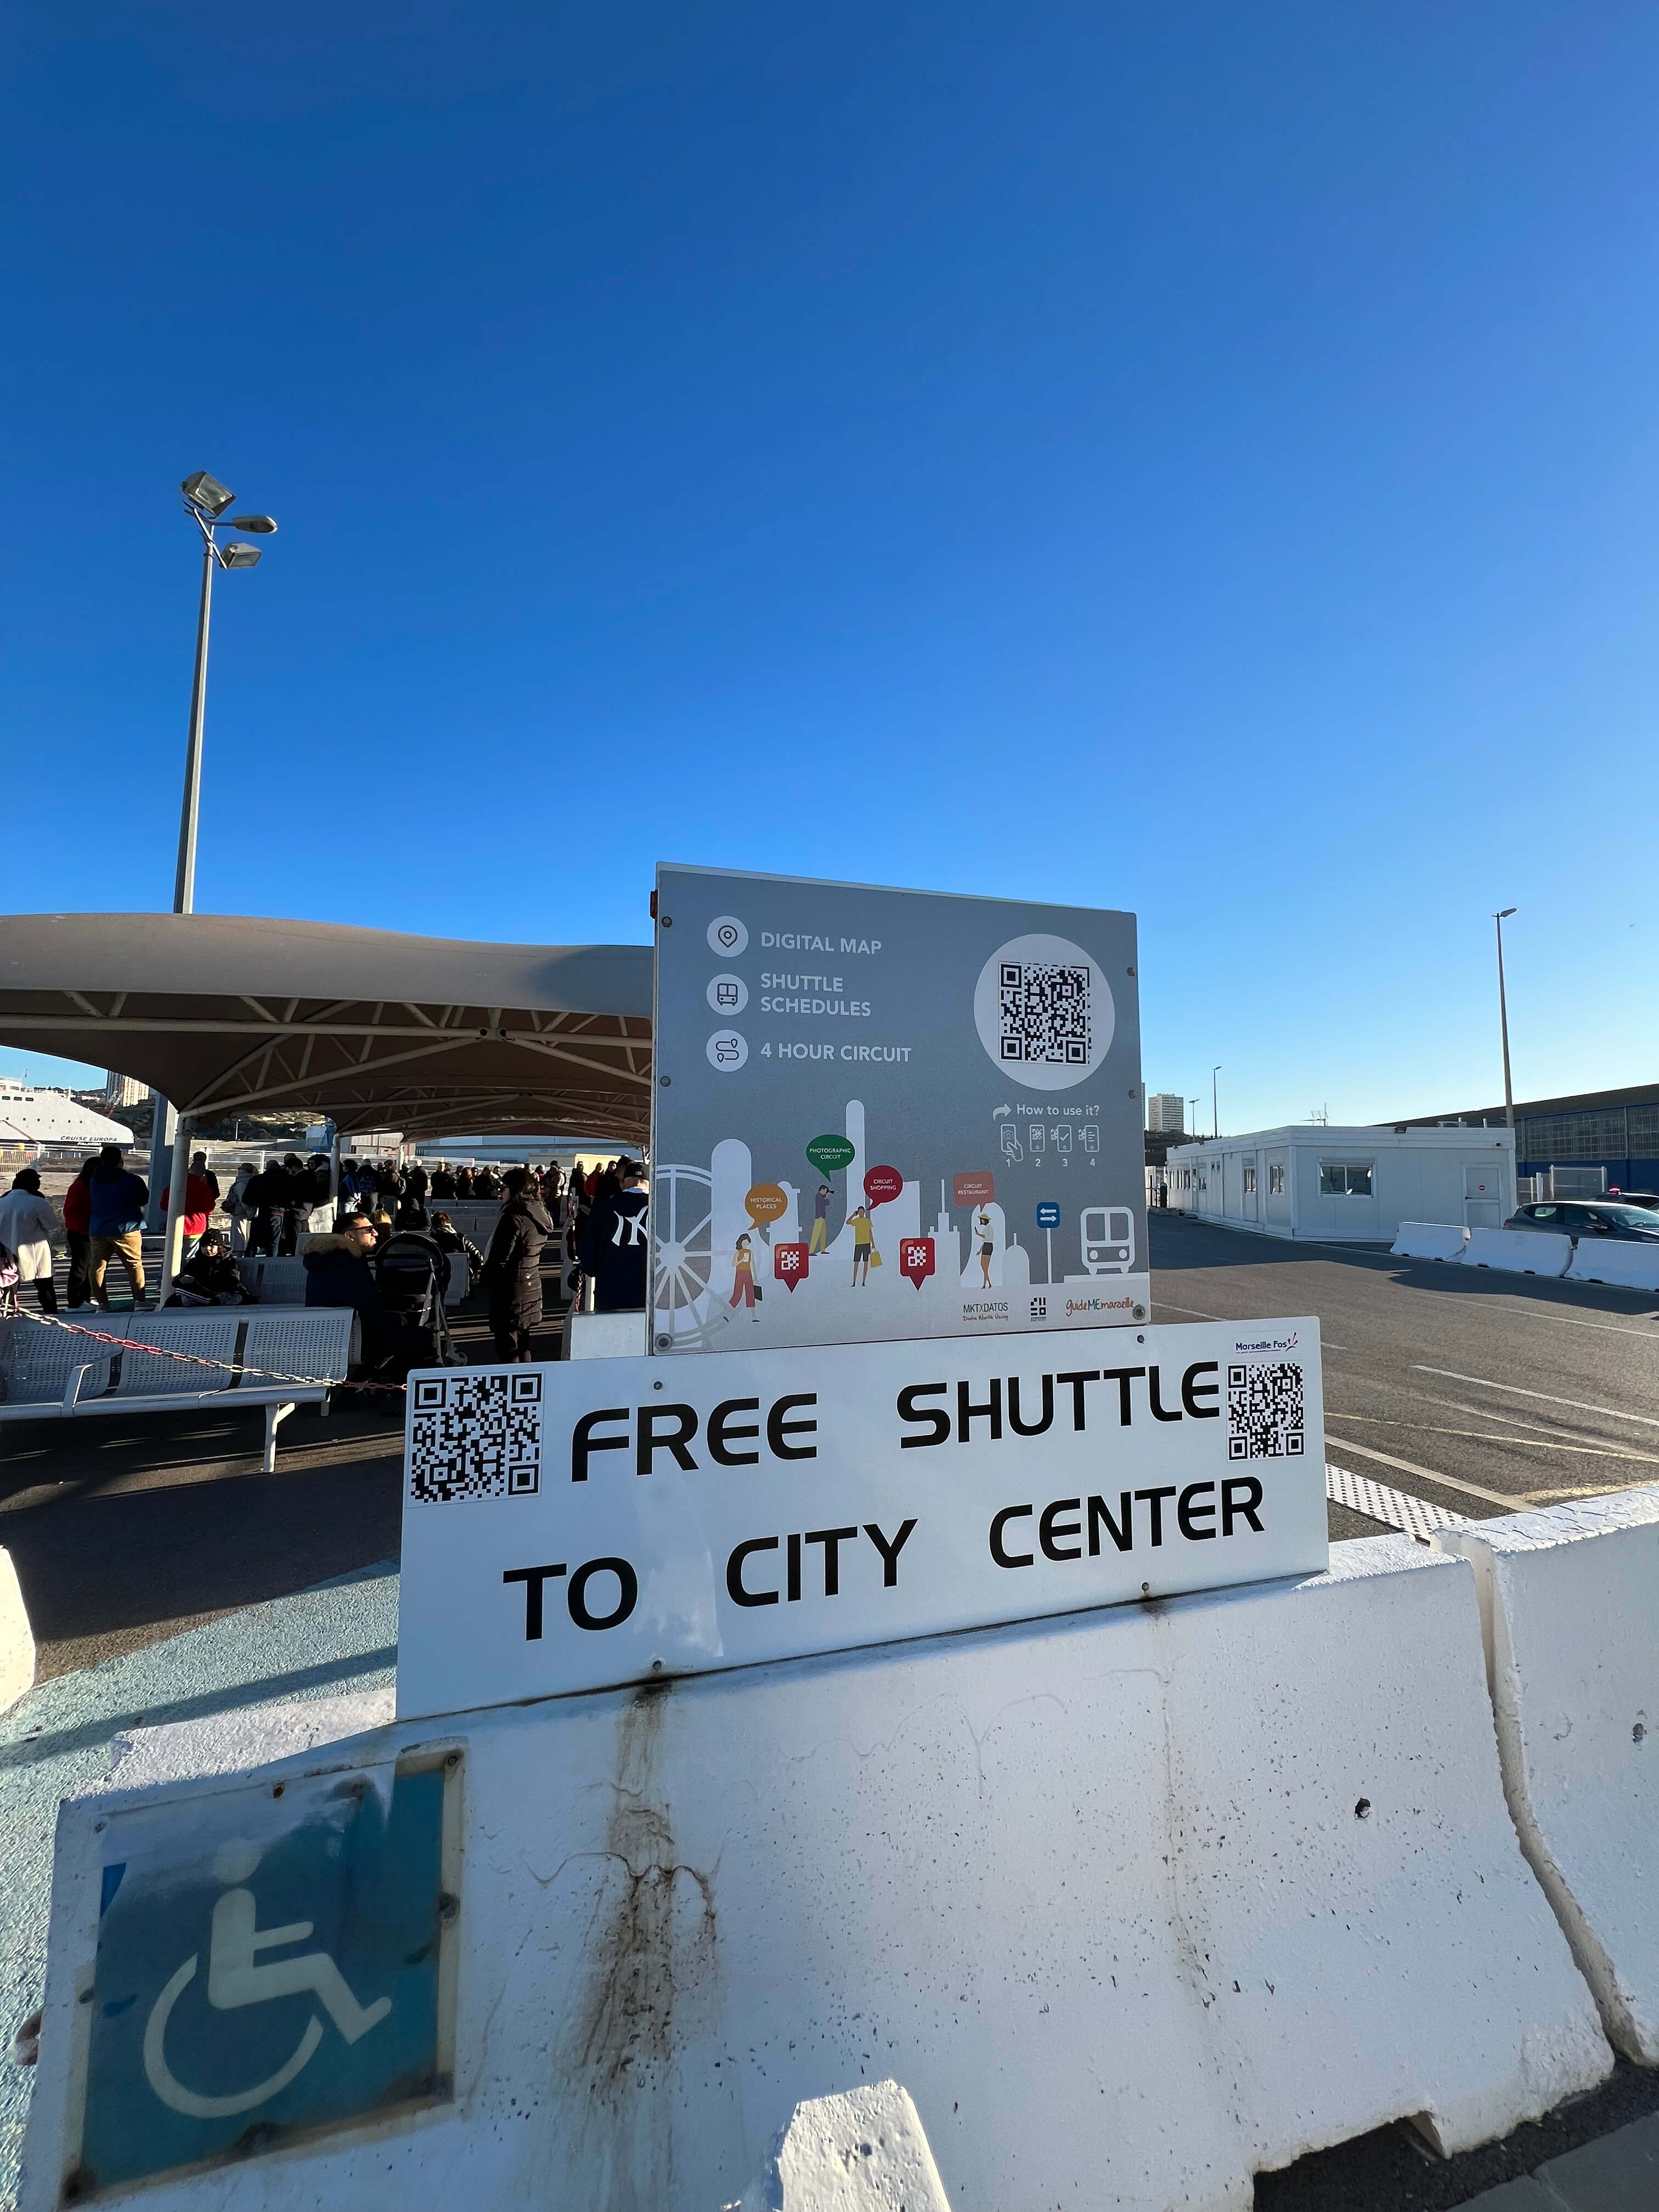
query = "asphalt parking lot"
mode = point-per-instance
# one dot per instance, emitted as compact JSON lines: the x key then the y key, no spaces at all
{"x":1481,"y":1393}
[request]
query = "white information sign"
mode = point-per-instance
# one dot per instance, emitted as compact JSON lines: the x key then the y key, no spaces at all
{"x":601,"y":1521}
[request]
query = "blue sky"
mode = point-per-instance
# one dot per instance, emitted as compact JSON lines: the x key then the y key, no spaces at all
{"x":1198,"y":459}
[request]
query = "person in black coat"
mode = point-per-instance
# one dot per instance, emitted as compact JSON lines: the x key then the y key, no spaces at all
{"x":264,"y":1197}
{"x":615,"y":1247}
{"x":513,"y":1269}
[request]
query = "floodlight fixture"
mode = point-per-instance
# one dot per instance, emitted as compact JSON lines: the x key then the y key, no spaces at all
{"x":1504,"y":914}
{"x":239,"y":556}
{"x":262,"y":526}
{"x":207,"y":494}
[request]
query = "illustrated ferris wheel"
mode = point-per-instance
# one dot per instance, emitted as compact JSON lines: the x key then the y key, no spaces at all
{"x":682,"y":1211}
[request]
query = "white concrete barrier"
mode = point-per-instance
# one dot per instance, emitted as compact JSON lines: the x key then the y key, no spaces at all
{"x":863,"y":2151}
{"x":16,"y":1638}
{"x":604,"y":1335}
{"x":1137,"y":1903}
{"x":1519,"y":1251}
{"x":1612,"y":1259}
{"x":1569,"y":1610}
{"x":1429,"y":1240}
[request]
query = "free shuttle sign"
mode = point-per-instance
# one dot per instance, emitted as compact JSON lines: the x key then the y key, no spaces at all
{"x":601,"y":1521}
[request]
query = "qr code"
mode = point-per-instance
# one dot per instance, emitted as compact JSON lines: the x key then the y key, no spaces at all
{"x":475,"y":1436}
{"x":1266,"y":1418}
{"x":1046,"y":1013}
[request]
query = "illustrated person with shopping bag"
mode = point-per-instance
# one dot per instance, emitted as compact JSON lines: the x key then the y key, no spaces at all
{"x":864,"y":1245}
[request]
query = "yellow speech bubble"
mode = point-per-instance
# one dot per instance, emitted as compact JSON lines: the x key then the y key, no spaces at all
{"x":765,"y":1202}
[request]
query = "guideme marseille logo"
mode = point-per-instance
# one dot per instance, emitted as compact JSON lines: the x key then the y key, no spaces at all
{"x":1044,"y":1012}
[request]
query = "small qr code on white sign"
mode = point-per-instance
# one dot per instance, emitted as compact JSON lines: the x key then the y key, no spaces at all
{"x":475,"y":1436}
{"x":1266,"y":1416}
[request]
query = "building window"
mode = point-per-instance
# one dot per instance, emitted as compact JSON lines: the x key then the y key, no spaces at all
{"x":1344,"y":1178}
{"x":1275,"y":1182}
{"x":1250,"y":1183}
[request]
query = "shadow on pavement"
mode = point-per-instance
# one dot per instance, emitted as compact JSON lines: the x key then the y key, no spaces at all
{"x":1179,"y":1243}
{"x":127,"y":1529}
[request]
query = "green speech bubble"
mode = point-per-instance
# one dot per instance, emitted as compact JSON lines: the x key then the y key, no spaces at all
{"x":828,"y":1155}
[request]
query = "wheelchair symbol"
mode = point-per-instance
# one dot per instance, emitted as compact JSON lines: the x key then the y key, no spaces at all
{"x":234,"y":1979}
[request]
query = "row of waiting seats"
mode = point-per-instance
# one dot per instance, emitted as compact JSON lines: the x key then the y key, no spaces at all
{"x":1609,"y":1260}
{"x":175,"y":1361}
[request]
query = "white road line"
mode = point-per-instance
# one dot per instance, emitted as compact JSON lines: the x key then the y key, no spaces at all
{"x":1516,"y":1443}
{"x":1607,"y":1329}
{"x":1393,"y":1508}
{"x":1511,"y":1503}
{"x":1480,"y":1382}
{"x":1232,"y":1321}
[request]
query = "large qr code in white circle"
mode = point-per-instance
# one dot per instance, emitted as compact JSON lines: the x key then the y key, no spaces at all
{"x":1044,"y":1012}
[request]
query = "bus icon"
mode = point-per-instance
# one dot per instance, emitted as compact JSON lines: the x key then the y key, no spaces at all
{"x":1108,"y":1240}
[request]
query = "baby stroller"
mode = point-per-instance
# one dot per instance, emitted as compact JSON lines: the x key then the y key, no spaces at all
{"x":413,"y":1275}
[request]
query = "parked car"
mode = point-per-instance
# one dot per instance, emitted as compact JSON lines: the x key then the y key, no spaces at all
{"x":1582,"y":1217}
{"x":1649,"y":1198}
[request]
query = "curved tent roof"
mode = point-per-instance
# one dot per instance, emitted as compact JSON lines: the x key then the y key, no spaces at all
{"x":230,"y":1013}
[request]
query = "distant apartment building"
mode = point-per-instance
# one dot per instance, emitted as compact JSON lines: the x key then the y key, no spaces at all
{"x":1164,"y":1114}
{"x":123,"y":1089}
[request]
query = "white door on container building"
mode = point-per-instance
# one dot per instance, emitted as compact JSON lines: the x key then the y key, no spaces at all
{"x":1277,"y":1194}
{"x":1483,"y":1196}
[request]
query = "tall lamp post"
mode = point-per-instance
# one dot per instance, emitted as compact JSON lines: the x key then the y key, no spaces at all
{"x":205,"y":501}
{"x":1215,"y":1109}
{"x":1192,"y":1103}
{"x":1504,"y":1021}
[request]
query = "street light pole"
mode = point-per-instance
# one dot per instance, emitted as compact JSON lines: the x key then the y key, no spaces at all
{"x":1192,"y":1103}
{"x":206,"y":501}
{"x":184,"y":882}
{"x":1503,"y":1020}
{"x":1215,"y":1111}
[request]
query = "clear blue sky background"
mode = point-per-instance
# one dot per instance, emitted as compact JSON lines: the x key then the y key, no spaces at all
{"x":1195,"y":459}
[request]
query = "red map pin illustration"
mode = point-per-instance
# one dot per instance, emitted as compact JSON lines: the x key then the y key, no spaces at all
{"x":915,"y":1258}
{"x":882,"y":1183}
{"x":789,"y":1263}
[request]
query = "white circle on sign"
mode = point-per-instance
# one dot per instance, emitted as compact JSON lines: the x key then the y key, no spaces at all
{"x":727,"y":936}
{"x":728,"y":994}
{"x":1044,"y":1012}
{"x":727,"y":1050}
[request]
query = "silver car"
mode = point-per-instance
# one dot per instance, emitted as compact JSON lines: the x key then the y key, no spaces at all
{"x":1590,"y":1217}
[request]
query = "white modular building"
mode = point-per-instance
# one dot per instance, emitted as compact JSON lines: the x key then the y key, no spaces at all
{"x":1345,"y":1183}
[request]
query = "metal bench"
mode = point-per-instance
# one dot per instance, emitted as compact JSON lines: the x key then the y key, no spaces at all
{"x":55,"y":1373}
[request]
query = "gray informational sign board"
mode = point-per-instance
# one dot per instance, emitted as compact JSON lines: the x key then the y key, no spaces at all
{"x":608,"y":1521}
{"x":885,"y":1114}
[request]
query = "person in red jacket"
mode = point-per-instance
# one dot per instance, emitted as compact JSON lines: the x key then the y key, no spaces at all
{"x":77,"y":1233}
{"x":201,"y":1196}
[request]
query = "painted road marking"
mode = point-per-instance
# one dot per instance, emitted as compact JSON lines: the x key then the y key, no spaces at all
{"x":1393,"y":1508}
{"x":1607,"y":1327}
{"x":1543,"y":1397}
{"x":1522,"y":1443}
{"x":1325,"y":1343}
{"x":1511,"y":1503}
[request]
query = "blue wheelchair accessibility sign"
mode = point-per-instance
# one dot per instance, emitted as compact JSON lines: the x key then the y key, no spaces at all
{"x":273,"y":1959}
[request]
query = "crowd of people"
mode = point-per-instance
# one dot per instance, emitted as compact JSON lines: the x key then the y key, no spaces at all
{"x":385,"y":1248}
